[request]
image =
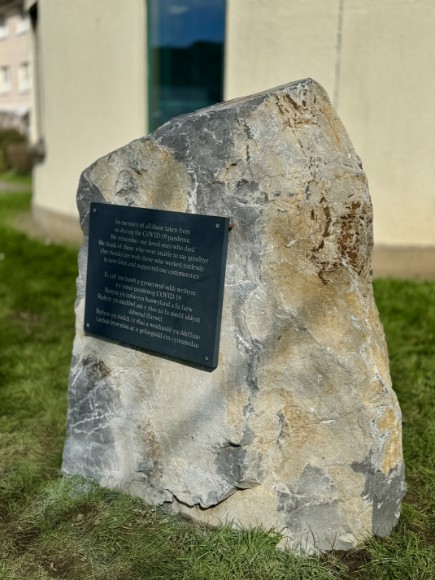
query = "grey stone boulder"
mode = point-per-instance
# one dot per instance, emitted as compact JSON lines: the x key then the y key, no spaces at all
{"x":298,"y":429}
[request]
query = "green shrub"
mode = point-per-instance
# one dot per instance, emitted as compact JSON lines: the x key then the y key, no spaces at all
{"x":20,"y":158}
{"x":9,"y":136}
{"x":4,"y":164}
{"x":15,"y":152}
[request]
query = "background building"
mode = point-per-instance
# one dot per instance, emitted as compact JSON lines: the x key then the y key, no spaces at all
{"x":108,"y":72}
{"x":15,"y":69}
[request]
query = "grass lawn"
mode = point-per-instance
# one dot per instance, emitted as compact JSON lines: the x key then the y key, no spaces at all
{"x":54,"y":527}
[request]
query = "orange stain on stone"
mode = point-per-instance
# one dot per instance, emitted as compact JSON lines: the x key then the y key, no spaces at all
{"x":393,"y":447}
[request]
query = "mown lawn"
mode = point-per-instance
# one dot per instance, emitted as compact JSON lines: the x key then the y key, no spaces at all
{"x":53,"y":527}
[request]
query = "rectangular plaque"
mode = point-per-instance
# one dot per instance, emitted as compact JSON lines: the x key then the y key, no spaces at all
{"x":155,"y":280}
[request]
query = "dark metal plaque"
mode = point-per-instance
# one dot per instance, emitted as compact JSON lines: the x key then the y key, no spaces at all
{"x":155,"y":280}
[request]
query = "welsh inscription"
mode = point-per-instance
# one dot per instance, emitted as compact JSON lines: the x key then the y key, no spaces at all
{"x":155,"y":280}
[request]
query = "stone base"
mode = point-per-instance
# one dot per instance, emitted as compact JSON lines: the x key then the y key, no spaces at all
{"x":404,"y":262}
{"x":61,"y":228}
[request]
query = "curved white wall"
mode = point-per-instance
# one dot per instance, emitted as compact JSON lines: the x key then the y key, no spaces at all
{"x":93,"y":90}
{"x":377,"y":62}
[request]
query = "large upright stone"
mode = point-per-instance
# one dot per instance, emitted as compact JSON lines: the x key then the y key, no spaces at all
{"x":298,"y":428}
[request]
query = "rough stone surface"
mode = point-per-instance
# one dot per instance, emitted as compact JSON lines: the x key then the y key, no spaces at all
{"x":298,"y":428}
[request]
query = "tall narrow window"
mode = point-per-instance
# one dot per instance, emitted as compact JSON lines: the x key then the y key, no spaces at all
{"x":24,"y":77}
{"x":5,"y":79}
{"x":185,"y":56}
{"x":4,"y":30}
{"x":23,"y":24}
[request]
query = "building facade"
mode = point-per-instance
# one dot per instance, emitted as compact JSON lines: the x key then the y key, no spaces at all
{"x":15,"y":66}
{"x":108,"y":72}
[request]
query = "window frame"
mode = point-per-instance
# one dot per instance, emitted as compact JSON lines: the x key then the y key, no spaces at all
{"x":5,"y":80}
{"x":24,"y":77}
{"x":23,"y":25}
{"x":4,"y":27}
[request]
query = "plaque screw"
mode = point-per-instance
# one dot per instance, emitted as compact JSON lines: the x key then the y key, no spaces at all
{"x":206,"y":358}
{"x":218,"y":225}
{"x":94,"y":210}
{"x":88,"y":325}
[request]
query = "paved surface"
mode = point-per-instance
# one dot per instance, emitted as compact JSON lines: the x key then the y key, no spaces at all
{"x":5,"y":186}
{"x":411,"y":263}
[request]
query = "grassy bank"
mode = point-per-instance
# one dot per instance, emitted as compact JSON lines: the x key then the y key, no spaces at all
{"x":51,"y":527}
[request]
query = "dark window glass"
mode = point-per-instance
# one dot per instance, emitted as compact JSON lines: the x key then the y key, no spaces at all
{"x":185,"y":48}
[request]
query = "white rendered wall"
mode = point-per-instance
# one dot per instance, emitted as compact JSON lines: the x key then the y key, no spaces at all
{"x":387,"y":102}
{"x":273,"y":42}
{"x":376,"y":59}
{"x":92,"y":90}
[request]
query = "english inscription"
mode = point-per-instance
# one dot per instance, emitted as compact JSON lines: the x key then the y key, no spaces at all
{"x":155,"y":280}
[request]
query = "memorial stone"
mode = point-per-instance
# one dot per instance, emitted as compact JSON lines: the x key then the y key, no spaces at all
{"x":298,"y":428}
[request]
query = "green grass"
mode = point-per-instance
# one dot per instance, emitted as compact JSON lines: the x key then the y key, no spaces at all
{"x":54,"y":527}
